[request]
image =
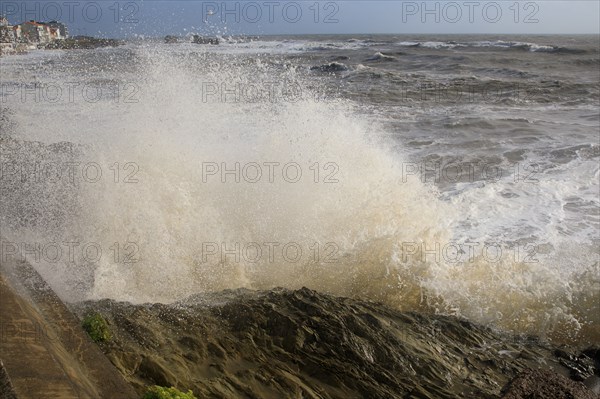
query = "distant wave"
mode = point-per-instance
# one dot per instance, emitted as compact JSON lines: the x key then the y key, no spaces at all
{"x":534,"y":47}
{"x":379,"y":56}
{"x":435,"y":45}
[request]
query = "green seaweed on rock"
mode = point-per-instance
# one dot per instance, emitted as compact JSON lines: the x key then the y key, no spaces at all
{"x":96,"y":327}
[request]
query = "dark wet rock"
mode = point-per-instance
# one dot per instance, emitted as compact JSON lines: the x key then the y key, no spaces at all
{"x":172,"y":39}
{"x":594,"y":354}
{"x":197,"y":39}
{"x":580,"y":367}
{"x":332,"y":67}
{"x":546,"y":384}
{"x":289,"y":344}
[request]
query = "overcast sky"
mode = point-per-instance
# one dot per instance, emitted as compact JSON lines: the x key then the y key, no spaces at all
{"x":158,"y":18}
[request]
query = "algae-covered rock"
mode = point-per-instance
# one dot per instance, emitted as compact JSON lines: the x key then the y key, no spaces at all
{"x":96,"y":327}
{"x":290,"y":344}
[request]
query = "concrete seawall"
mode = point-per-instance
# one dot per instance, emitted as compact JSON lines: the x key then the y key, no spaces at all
{"x":44,"y":351}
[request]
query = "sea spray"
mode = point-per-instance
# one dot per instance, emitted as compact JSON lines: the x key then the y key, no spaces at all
{"x":178,"y":207}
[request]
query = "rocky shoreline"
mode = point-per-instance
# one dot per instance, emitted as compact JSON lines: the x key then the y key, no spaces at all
{"x":305,"y":344}
{"x":265,"y":344}
{"x":83,"y":42}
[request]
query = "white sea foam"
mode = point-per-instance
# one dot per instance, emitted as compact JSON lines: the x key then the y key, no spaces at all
{"x":373,"y":226}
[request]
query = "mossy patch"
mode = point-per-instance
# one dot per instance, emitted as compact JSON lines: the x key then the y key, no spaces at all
{"x":157,"y":392}
{"x":96,"y":327}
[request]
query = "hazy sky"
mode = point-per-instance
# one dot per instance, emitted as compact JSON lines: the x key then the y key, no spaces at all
{"x":157,"y":18}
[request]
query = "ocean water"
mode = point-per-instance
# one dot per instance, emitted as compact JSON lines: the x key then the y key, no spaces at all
{"x":452,"y":174}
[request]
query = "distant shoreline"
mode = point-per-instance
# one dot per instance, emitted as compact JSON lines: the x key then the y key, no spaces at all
{"x":72,"y":43}
{"x":83,"y":42}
